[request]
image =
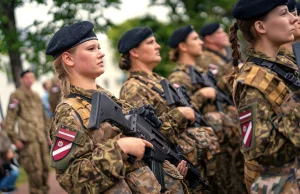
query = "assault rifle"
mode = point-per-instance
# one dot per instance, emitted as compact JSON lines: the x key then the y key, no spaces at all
{"x":208,"y":80}
{"x":179,"y":97}
{"x":142,"y":123}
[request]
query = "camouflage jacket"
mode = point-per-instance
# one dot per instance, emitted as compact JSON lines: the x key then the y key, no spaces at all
{"x":269,"y":116}
{"x":223,"y":63}
{"x":137,"y":93}
{"x":26,"y":109}
{"x":283,"y":52}
{"x":95,"y":162}
{"x":181,"y":76}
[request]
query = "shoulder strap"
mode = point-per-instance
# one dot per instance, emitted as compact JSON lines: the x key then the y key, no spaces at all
{"x":269,"y":84}
{"x":289,"y":77}
{"x":152,"y":85}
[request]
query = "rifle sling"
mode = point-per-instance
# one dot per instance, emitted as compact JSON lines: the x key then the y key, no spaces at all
{"x":289,"y":77}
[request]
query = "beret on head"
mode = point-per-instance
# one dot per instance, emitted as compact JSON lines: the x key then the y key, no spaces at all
{"x":248,"y":9}
{"x":24,"y":72}
{"x":179,"y":35}
{"x":209,"y":29}
{"x":69,"y":37}
{"x":292,"y":5}
{"x":132,"y":38}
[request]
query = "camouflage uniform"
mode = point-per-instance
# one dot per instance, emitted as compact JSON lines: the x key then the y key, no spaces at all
{"x":54,"y":95}
{"x":197,"y":143}
{"x":26,"y":109}
{"x":227,"y":177}
{"x":269,"y":118}
{"x":95,"y":163}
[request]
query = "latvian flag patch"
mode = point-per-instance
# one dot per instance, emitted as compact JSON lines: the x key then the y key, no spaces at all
{"x":63,"y":144}
{"x":246,"y":125}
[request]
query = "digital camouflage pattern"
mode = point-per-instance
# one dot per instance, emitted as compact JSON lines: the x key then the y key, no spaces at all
{"x":26,"y":109}
{"x":230,"y":162}
{"x":275,"y":132}
{"x":96,"y":159}
{"x":197,"y":143}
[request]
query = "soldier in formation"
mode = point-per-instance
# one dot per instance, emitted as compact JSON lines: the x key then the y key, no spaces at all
{"x":94,"y":161}
{"x":267,"y":106}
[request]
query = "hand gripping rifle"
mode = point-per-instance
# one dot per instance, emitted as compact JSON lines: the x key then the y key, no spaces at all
{"x":208,"y":80}
{"x":142,"y":123}
{"x":180,"y":97}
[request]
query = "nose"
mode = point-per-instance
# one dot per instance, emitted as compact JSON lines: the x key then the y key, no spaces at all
{"x":157,"y":46}
{"x":101,"y":54}
{"x":293,"y":19}
{"x":201,"y":42}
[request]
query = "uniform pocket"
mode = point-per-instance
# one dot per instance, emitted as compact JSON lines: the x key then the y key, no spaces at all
{"x":143,"y":180}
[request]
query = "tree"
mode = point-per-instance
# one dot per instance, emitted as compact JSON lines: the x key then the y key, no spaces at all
{"x":32,"y":40}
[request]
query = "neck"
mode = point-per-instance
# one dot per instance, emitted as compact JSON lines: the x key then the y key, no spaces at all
{"x":139,"y":66}
{"x":288,"y":46}
{"x":83,"y":82}
{"x":187,"y":59}
{"x":267,"y":48}
{"x":27,"y":89}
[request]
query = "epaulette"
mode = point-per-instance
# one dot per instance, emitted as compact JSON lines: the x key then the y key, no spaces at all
{"x":266,"y":82}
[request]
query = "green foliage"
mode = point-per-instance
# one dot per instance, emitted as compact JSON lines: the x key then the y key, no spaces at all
{"x":32,"y":40}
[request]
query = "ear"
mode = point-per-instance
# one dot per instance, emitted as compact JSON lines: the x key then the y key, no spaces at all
{"x":68,"y":59}
{"x":207,"y":38}
{"x":260,"y":27}
{"x":182,"y":46}
{"x":133,"y":52}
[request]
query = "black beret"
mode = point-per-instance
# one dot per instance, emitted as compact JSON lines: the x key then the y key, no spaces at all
{"x":132,"y":38}
{"x":292,"y":5}
{"x":24,"y":72}
{"x":179,"y":35}
{"x":248,"y":9}
{"x":70,"y":36}
{"x":209,"y":29}
{"x":298,"y":7}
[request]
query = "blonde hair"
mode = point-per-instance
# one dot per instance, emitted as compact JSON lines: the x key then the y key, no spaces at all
{"x":62,"y":74}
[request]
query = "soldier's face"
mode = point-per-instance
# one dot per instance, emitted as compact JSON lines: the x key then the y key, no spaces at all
{"x":297,"y":25}
{"x":277,"y":26}
{"x":148,"y":52}
{"x":27,"y":80}
{"x":219,"y":38}
{"x":194,"y":44}
{"x":88,"y":59}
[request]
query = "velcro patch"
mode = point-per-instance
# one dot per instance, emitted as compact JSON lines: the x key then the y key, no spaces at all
{"x":247,"y":126}
{"x":63,"y":144}
{"x":13,"y":104}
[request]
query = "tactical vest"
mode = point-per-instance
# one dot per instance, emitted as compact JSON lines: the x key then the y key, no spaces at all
{"x":274,"y":90}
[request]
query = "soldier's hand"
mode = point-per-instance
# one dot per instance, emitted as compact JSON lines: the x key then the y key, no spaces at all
{"x":134,"y":146}
{"x":188,"y":113}
{"x":19,"y":145}
{"x":182,"y":168}
{"x":208,"y":93}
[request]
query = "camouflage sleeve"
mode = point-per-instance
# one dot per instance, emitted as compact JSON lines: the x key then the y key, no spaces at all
{"x":181,"y":78}
{"x":93,"y":167}
{"x":11,"y":117}
{"x":137,"y":95}
{"x":258,"y":123}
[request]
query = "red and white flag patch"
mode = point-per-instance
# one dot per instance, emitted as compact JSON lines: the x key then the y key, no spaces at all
{"x":246,"y":125}
{"x":63,"y":144}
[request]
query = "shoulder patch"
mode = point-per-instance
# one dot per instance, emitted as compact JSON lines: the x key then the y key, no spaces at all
{"x":13,"y":103}
{"x":63,"y":143}
{"x":246,"y":116}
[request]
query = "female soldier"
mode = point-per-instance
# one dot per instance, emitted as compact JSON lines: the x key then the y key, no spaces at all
{"x":140,"y":55}
{"x":286,"y":51}
{"x":186,"y":47}
{"x":268,"y":113}
{"x":91,"y":161}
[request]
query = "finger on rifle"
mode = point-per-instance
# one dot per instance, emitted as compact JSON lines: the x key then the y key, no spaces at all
{"x":148,"y":144}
